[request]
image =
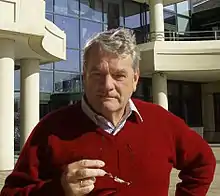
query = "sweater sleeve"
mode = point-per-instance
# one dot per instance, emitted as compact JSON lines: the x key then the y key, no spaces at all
{"x":33,"y":174}
{"x":195,"y":160}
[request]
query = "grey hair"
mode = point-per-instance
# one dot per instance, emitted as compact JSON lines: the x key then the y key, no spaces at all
{"x":121,"y":42}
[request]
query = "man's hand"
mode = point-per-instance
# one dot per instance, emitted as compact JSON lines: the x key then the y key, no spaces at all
{"x":79,"y":177}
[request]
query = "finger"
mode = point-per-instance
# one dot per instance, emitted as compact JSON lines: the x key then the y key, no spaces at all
{"x":91,"y":163}
{"x":82,"y":174}
{"x":86,"y":182}
{"x":88,"y":173}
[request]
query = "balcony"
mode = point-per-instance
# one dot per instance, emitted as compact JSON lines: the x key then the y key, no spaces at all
{"x":191,"y":56}
{"x":37,"y":38}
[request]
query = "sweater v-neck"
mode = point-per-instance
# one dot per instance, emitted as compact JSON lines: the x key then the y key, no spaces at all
{"x":88,"y":122}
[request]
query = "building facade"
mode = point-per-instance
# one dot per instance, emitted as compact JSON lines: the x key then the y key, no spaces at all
{"x":80,"y":19}
{"x":24,"y":45}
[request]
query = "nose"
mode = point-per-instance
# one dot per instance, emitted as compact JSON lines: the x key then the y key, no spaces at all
{"x":108,"y":83}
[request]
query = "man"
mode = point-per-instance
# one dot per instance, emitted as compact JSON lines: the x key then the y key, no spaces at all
{"x":108,"y":144}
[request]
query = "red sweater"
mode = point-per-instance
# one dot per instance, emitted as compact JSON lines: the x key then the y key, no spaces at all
{"x":142,"y":152}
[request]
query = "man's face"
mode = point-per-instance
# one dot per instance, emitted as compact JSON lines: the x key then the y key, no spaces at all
{"x":109,"y":81}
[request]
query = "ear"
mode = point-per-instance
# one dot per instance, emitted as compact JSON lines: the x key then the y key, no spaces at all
{"x":135,"y":79}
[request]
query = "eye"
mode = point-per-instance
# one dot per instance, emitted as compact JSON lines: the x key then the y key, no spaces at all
{"x":119,"y":76}
{"x":95,"y":73}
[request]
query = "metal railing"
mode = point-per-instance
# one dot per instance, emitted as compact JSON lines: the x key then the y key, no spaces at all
{"x":142,"y":36}
{"x":186,"y":35}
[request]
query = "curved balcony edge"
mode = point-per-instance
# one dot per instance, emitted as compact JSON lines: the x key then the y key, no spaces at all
{"x":51,"y":47}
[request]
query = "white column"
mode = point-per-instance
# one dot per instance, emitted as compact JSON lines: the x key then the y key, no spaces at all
{"x":156,"y":20}
{"x":29,"y":97}
{"x":6,"y":104}
{"x":159,"y":85}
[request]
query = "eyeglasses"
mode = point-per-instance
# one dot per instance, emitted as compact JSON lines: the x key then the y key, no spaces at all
{"x":117,"y":179}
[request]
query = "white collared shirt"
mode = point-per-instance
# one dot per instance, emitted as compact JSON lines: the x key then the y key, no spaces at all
{"x":104,"y":123}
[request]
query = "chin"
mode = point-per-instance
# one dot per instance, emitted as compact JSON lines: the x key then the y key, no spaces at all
{"x":111,"y":106}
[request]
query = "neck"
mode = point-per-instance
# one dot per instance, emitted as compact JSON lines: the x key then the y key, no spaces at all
{"x":115,"y":117}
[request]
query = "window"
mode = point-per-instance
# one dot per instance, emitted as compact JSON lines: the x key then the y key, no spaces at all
{"x":216,"y":101}
{"x":67,"y":82}
{"x":170,"y":25}
{"x":72,"y":62}
{"x":185,"y":102}
{"x":44,"y":109}
{"x":49,"y":5}
{"x":60,"y":6}
{"x":49,"y":17}
{"x":170,"y":8}
{"x":44,"y":104}
{"x":81,"y":61}
{"x":192,"y":112}
{"x":139,"y":93}
{"x":137,"y":19}
{"x":174,"y":100}
{"x":183,"y":24}
{"x":173,"y":89}
{"x":73,"y":7}
{"x":91,"y":9}
{"x":46,"y":81}
{"x":17,"y":79}
{"x":174,"y":105}
{"x":16,"y":121}
{"x":192,"y":108}
{"x":105,"y":26}
{"x":183,"y":8}
{"x":132,"y":15}
{"x":47,"y":66}
{"x":66,"y":7}
{"x":144,"y":89}
{"x":88,"y":29}
{"x":169,"y":21}
{"x":71,"y":28}
{"x":113,"y":13}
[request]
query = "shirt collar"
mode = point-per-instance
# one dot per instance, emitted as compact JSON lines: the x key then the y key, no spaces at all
{"x":134,"y":109}
{"x":91,"y":114}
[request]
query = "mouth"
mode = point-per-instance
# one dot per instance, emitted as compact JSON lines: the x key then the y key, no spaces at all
{"x":108,"y":98}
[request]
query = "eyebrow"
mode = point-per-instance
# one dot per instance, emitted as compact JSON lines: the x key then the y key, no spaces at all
{"x":116,"y":71}
{"x":95,"y":68}
{"x":120,"y":71}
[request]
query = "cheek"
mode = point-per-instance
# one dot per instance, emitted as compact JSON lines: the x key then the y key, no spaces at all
{"x":125,"y":88}
{"x":89,"y":82}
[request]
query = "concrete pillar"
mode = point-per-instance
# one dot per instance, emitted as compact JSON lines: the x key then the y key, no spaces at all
{"x":6,"y":104}
{"x":156,"y":20}
{"x":159,"y":85}
{"x":29,"y":97}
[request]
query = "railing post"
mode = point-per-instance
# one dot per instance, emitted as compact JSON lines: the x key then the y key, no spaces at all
{"x":216,"y":35}
{"x":169,"y":36}
{"x":174,"y":36}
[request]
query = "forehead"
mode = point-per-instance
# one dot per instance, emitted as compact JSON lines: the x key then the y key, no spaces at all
{"x":98,"y":58}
